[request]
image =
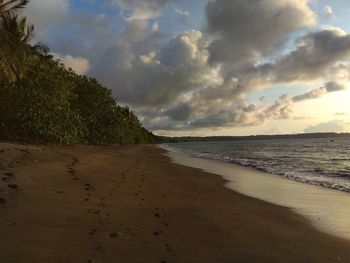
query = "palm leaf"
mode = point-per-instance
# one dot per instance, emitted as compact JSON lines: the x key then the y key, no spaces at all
{"x":15,"y":50}
{"x":12,"y":6}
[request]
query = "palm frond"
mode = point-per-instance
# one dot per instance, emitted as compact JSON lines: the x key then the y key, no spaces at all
{"x":15,"y":50}
{"x":12,"y":6}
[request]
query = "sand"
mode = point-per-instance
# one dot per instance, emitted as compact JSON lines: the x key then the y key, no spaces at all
{"x":131,"y":204}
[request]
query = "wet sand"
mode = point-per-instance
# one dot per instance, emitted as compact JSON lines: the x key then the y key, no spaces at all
{"x":131,"y":204}
{"x":327,"y":209}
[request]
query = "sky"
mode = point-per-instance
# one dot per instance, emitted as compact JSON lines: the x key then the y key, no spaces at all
{"x":210,"y":67}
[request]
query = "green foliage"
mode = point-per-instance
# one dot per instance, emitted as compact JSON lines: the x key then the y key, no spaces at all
{"x":42,"y":101}
{"x":15,"y":34}
{"x":37,"y":106}
{"x":53,"y":104}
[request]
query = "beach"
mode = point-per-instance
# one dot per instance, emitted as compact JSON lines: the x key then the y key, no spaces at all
{"x":132,"y":204}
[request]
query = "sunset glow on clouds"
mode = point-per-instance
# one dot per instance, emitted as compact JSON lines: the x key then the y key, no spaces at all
{"x":195,"y":68}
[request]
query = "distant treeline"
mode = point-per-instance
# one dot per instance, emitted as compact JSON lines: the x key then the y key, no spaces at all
{"x":42,"y":101}
{"x":255,"y":137}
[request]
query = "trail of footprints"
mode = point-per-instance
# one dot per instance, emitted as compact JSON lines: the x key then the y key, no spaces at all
{"x":99,"y":211}
{"x":71,"y":168}
{"x":8,"y":176}
{"x":102,"y":228}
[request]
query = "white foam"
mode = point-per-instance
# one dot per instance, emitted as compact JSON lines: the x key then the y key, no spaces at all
{"x":327,"y":209}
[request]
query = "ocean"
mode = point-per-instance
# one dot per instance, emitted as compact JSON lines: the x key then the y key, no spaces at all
{"x":321,"y":162}
{"x":275,"y":170}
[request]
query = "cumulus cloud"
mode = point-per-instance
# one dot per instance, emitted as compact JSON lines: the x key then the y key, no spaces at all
{"x":78,"y":64}
{"x":238,"y":112}
{"x":316,"y":53}
{"x":245,"y":30}
{"x":199,"y":79}
{"x":158,"y":75}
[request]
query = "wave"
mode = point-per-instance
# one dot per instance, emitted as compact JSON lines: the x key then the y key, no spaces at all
{"x":339,"y":180}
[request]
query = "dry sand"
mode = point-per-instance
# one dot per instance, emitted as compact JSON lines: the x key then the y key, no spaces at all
{"x":130,"y":204}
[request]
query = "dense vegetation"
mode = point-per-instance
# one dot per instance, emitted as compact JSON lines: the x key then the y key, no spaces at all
{"x":40,"y":100}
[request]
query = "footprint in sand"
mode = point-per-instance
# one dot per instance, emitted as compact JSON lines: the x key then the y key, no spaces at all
{"x":102,"y":205}
{"x":98,"y":246}
{"x":10,"y":175}
{"x":113,"y":235}
{"x":89,"y":187}
{"x":93,"y":232}
{"x":13,"y":186}
{"x":168,"y":248}
{"x":157,"y":233}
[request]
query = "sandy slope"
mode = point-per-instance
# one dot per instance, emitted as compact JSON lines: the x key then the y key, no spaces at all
{"x":130,"y":204}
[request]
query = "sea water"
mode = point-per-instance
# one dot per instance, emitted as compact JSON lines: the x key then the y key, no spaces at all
{"x":309,"y":176}
{"x":322,"y":162}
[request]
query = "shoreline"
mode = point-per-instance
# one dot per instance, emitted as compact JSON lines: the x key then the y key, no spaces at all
{"x":313,"y":202}
{"x":132,"y":204}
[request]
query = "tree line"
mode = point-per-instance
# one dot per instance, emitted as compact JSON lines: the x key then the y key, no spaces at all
{"x":41,"y":100}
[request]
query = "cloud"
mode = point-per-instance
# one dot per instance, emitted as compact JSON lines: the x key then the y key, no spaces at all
{"x":245,"y":30}
{"x":46,"y":14}
{"x":80,"y":65}
{"x":238,"y":113}
{"x":317,"y":93}
{"x":141,"y":9}
{"x":179,"y":113}
{"x":331,"y":126}
{"x":328,"y":11}
{"x":182,"y":13}
{"x":200,"y":78}
{"x":316,"y":53}
{"x":137,"y":64}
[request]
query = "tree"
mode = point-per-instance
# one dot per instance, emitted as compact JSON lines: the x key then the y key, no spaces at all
{"x":14,"y":37}
{"x":12,"y":6}
{"x":41,"y":100}
{"x":37,"y":106}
